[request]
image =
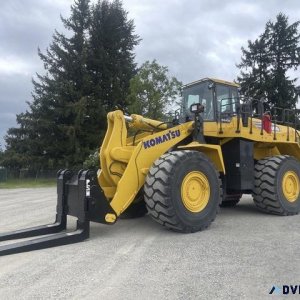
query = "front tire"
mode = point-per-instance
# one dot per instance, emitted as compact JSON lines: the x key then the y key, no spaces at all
{"x":183,"y":191}
{"x":277,"y":185}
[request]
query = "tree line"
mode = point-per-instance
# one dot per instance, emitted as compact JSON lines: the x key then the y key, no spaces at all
{"x":266,"y":62}
{"x":91,"y":70}
{"x":87,"y":74}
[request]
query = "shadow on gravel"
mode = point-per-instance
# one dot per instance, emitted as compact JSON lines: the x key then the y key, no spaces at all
{"x":146,"y":226}
{"x":243,"y":208}
{"x":139,"y":227}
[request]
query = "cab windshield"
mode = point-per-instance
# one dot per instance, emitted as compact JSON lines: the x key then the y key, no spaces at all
{"x":199,"y":93}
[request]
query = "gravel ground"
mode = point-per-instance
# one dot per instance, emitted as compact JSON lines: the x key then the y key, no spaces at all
{"x":241,"y":256}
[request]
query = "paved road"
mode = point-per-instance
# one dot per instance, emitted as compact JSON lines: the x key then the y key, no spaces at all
{"x":241,"y":256}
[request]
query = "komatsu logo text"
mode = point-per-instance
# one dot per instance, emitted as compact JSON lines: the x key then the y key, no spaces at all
{"x":172,"y":134}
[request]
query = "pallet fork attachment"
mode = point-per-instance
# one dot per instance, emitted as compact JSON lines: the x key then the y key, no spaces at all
{"x":73,"y":200}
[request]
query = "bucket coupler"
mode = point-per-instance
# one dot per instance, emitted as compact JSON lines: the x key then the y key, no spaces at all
{"x":74,"y":199}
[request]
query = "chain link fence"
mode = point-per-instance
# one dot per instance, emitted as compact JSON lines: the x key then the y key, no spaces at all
{"x":3,"y":174}
{"x":6,"y":174}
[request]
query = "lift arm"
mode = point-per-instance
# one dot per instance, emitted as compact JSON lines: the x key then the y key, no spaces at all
{"x":125,"y":164}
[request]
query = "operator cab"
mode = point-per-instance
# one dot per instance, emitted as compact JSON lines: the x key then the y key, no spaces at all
{"x":219,"y":98}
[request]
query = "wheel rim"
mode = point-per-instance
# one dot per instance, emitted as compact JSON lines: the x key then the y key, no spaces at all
{"x":195,"y":191}
{"x":291,"y":186}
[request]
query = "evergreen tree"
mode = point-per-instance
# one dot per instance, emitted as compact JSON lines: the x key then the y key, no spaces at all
{"x":67,"y":117}
{"x":255,"y":62}
{"x":284,"y":51}
{"x":49,"y":131}
{"x":265,"y":64}
{"x":111,"y":53}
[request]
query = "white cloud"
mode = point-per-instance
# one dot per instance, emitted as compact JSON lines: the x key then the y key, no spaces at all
{"x":10,"y":65}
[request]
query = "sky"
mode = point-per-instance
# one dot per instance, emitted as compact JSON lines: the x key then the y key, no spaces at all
{"x":194,"y":38}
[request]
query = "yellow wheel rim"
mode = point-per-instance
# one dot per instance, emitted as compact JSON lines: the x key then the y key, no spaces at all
{"x":290,"y":186}
{"x":195,"y":191}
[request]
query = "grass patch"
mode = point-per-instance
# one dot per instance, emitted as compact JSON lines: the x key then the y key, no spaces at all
{"x":27,"y":183}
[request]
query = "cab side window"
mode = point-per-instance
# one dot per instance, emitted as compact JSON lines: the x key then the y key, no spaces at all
{"x":202,"y":94}
{"x":223,"y":99}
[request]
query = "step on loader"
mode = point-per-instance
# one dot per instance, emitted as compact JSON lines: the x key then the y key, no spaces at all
{"x":217,"y":148}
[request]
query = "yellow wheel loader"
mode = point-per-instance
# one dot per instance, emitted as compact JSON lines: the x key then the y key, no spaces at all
{"x":180,"y":172}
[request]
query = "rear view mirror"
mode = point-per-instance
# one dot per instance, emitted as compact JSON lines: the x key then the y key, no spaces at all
{"x":196,"y":108}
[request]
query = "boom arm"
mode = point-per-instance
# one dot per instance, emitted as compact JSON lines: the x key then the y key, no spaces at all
{"x":124,"y":165}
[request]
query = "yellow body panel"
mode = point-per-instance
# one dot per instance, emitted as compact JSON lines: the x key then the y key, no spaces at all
{"x":214,"y":152}
{"x":286,"y":140}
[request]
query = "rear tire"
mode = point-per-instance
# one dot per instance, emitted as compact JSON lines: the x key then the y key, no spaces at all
{"x":183,"y":191}
{"x":277,"y":185}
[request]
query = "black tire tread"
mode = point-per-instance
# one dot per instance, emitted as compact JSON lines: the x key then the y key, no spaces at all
{"x":157,"y":192}
{"x":264,"y":194}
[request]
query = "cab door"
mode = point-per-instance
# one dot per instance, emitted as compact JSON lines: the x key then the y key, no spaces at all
{"x":224,"y":105}
{"x":226,"y":99}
